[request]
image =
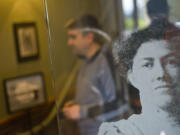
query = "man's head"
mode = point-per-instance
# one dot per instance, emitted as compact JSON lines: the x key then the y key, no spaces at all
{"x":157,"y":9}
{"x":81,"y":38}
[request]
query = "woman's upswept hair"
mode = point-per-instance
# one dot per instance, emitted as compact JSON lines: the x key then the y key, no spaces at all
{"x":125,"y":50}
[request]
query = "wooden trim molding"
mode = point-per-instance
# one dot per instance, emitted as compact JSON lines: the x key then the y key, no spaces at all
{"x":16,"y":116}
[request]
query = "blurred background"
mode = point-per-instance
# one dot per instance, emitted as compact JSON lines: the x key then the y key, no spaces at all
{"x":49,"y":57}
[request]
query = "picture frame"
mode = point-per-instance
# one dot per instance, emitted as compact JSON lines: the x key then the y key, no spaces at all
{"x":24,"y":92}
{"x":26,"y":40}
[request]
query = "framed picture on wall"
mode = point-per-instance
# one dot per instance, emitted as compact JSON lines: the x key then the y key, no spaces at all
{"x":24,"y":92}
{"x":26,"y":39}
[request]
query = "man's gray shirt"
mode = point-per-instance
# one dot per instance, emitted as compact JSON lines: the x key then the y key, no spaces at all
{"x":95,"y":86}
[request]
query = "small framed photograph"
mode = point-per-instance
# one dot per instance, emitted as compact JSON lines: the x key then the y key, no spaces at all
{"x":24,"y":92}
{"x":26,"y":41}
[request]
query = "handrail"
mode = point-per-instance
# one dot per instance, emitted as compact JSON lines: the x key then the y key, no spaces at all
{"x":8,"y":119}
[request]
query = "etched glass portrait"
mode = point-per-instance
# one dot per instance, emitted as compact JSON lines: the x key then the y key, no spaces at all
{"x":150,"y":59}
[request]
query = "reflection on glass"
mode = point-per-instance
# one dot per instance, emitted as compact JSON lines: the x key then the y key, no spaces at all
{"x":94,"y":85}
{"x":148,"y":63}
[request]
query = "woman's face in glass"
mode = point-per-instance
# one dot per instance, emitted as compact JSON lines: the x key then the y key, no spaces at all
{"x":153,"y":68}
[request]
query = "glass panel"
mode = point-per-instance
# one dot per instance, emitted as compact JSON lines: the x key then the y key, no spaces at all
{"x":115,"y":66}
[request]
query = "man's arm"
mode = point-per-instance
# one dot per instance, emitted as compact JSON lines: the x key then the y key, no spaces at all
{"x":103,"y":85}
